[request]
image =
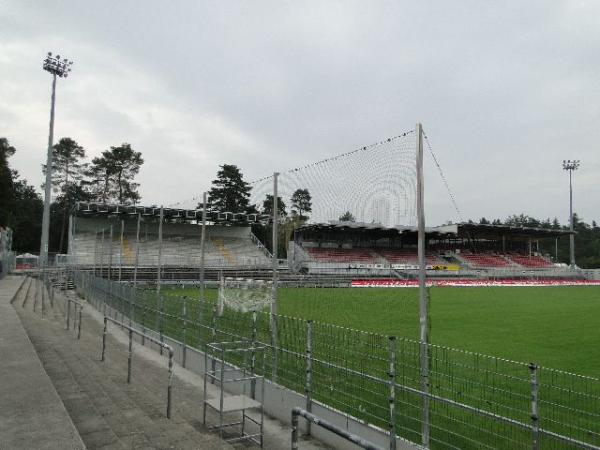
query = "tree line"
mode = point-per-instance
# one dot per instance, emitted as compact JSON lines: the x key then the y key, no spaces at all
{"x":108,"y":178}
{"x":587,"y":237}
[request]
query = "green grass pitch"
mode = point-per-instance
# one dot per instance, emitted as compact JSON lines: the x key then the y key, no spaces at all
{"x":556,"y":327}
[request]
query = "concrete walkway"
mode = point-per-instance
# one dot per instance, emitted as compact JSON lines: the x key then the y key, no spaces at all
{"x":32,"y":415}
{"x":108,"y":412}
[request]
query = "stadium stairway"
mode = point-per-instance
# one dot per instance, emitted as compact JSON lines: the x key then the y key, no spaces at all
{"x":107,"y":412}
{"x":32,"y":415}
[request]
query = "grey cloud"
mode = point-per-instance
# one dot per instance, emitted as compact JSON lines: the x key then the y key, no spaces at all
{"x":505,"y":90}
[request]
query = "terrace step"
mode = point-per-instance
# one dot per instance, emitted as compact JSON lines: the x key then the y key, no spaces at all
{"x":108,"y":412}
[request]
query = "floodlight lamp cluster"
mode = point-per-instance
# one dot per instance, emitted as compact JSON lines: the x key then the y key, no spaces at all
{"x":570,"y":165}
{"x":56,"y":66}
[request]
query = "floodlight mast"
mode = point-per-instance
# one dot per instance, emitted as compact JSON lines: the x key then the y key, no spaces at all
{"x":570,"y":166}
{"x":58,"y":68}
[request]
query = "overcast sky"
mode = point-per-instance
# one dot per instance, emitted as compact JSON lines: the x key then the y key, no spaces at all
{"x":505,"y":91}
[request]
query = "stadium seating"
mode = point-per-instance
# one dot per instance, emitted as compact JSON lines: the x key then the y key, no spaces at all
{"x":409,"y":256}
{"x":343,"y":255}
{"x":485,"y":260}
{"x":534,"y":262}
{"x":179,"y":249}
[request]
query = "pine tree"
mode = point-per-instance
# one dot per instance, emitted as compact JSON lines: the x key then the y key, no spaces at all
{"x":230,"y":193}
{"x":301,"y":203}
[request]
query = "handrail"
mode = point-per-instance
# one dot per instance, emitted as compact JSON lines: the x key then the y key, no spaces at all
{"x":357,"y":440}
{"x":133,"y":331}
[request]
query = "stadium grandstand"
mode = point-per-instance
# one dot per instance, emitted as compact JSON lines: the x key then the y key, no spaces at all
{"x":338,"y":250}
{"x":463,"y":249}
{"x":229,"y":243}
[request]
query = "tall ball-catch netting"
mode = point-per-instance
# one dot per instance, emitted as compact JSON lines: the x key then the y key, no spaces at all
{"x":375,"y":184}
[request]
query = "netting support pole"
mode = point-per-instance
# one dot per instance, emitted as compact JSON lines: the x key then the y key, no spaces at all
{"x":275,"y":278}
{"x":423,"y":298}
{"x":202,"y":263}
{"x":309,"y":361}
{"x":110,"y":252}
{"x":135,"y":267}
{"x":121,"y":250}
{"x":392,"y":386}
{"x":535,"y":423}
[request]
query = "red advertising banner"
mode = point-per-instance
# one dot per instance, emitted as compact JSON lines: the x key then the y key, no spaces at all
{"x":471,"y":283}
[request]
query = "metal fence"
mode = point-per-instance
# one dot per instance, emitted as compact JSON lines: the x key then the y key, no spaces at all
{"x":474,"y":401}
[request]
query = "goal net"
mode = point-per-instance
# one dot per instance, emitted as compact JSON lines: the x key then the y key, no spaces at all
{"x":244,"y":294}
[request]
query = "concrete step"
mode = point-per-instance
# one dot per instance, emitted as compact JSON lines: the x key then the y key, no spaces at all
{"x":32,"y":415}
{"x":108,"y":412}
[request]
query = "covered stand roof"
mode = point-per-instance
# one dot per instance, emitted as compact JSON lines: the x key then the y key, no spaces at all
{"x":474,"y":231}
{"x":92,"y":209}
{"x":489,"y":231}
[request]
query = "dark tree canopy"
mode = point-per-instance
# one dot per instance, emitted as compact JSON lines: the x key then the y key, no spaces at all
{"x":20,"y":205}
{"x":6,"y":182}
{"x":111,"y":175}
{"x":67,"y":163}
{"x":301,"y":203}
{"x":347,"y":217}
{"x":229,"y":192}
{"x":267,"y":207}
{"x":68,"y":170}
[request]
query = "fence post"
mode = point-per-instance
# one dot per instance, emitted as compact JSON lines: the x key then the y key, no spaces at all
{"x":161,"y":316}
{"x":68,"y":313}
{"x":535,"y":424}
{"x":144,"y":307}
{"x":104,"y":337}
{"x":121,"y":249}
{"x":132,"y":296}
{"x":37,"y":290}
{"x":274,"y":253}
{"x":129,"y":355}
{"x":184,"y":327}
{"x":308,"y":387}
{"x":170,"y":383}
{"x":201,"y":300}
{"x":51,"y":296}
{"x":160,"y":249}
{"x":213,"y":339}
{"x":295,"y":431}
{"x":110,"y":253}
{"x":137,"y":258}
{"x":253,"y":357}
{"x":44,"y":275}
{"x":392,"y":399}
{"x":102,"y":256}
{"x":79,"y":324}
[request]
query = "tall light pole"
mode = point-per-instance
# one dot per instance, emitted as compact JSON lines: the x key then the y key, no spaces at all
{"x":570,"y":166}
{"x":58,"y":68}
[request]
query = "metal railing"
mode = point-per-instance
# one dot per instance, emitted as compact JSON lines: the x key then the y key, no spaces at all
{"x":311,"y":418}
{"x":476,"y":400}
{"x":133,"y":331}
{"x":77,"y":314}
